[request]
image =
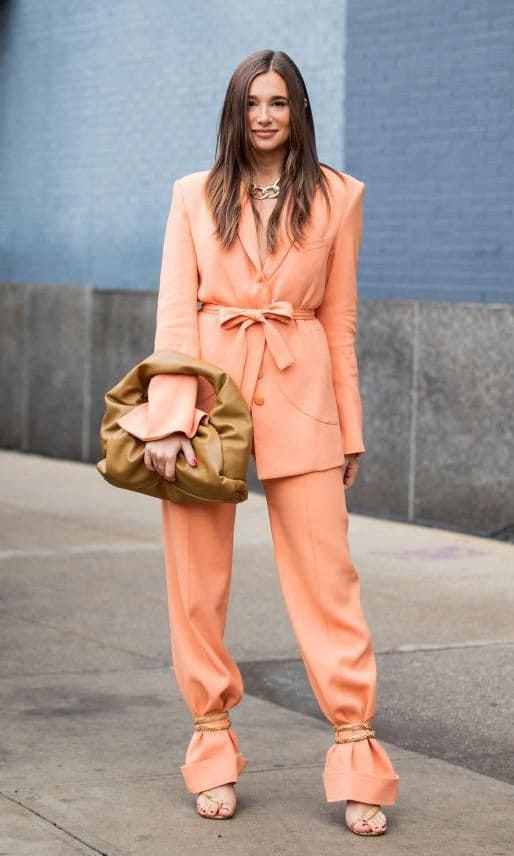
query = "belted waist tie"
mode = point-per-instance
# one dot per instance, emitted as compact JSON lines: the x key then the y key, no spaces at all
{"x":279,"y":310}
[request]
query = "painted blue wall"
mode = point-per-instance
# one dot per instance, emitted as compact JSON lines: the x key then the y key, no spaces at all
{"x":430,"y":127}
{"x":105,"y":104}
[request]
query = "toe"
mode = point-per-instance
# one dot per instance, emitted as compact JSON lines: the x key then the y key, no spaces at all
{"x":378,"y":822}
{"x":217,"y":803}
{"x":206,"y":806}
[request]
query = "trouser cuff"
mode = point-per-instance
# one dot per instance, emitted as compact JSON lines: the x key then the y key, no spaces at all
{"x":361,"y":787}
{"x":202,"y":775}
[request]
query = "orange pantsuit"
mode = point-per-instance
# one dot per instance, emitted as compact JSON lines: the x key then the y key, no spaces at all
{"x":285,"y":332}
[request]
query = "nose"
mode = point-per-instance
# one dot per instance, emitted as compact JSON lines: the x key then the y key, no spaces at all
{"x":263,"y":115}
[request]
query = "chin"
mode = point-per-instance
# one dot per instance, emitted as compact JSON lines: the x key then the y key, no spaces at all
{"x":268,"y":145}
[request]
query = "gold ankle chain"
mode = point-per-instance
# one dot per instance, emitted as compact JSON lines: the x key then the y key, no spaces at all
{"x":201,"y":722}
{"x":353,"y":726}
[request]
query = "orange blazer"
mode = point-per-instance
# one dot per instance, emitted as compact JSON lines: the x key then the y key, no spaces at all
{"x":285,"y":332}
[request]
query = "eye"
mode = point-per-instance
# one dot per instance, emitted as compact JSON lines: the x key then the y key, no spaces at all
{"x":281,"y":103}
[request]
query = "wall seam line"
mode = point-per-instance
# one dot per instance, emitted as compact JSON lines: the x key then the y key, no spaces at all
{"x":86,"y":377}
{"x":411,"y":494}
{"x":25,"y":369}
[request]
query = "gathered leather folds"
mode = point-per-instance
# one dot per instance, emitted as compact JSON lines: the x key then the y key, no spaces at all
{"x":222,"y":443}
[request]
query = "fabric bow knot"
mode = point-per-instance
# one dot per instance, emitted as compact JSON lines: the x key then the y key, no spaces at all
{"x":279,"y":310}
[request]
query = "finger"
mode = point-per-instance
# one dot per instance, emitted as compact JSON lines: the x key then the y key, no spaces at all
{"x":349,"y":476}
{"x":188,"y":450}
{"x":169,"y":470}
{"x":148,"y":460}
{"x":159,"y":463}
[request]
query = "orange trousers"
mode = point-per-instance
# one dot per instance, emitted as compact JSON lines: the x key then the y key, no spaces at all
{"x":309,"y":525}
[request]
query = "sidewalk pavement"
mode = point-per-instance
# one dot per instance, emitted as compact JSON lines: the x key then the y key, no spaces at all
{"x":94,"y":728}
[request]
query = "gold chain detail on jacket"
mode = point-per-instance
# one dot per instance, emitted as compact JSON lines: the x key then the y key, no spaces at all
{"x":201,"y":722}
{"x":353,"y":726}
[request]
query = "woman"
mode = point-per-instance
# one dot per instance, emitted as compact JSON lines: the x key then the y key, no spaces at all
{"x":267,"y":241}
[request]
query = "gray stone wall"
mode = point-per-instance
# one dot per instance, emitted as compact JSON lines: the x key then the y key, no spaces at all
{"x":436,"y":381}
{"x":438,"y":390}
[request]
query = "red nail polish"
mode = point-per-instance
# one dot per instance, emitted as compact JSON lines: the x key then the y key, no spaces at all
{"x":195,"y":462}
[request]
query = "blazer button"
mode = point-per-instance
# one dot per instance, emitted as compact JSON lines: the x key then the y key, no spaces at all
{"x":258,"y":399}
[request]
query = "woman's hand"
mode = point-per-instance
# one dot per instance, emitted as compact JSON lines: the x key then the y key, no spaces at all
{"x":161,"y":455}
{"x":350,"y":469}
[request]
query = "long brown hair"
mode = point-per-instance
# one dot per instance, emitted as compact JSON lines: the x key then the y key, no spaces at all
{"x":235,"y":160}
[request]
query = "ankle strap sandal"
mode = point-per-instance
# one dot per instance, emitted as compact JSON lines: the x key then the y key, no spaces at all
{"x":371,"y":812}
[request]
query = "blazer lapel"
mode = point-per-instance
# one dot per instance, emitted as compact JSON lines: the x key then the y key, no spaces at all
{"x":247,"y":234}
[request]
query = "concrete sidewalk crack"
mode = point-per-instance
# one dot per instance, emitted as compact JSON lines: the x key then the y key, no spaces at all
{"x":58,"y":826}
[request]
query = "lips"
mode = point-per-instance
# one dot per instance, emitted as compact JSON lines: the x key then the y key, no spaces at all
{"x":265,"y":133}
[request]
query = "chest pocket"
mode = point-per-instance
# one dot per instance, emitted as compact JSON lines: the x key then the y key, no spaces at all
{"x":313,"y":244}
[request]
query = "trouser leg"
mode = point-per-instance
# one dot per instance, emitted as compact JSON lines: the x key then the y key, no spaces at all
{"x":321,"y":588}
{"x":198,"y":550}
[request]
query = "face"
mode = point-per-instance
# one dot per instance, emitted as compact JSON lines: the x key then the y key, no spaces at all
{"x":268,"y":112}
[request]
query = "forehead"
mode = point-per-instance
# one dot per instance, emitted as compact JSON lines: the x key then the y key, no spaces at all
{"x":268,"y":84}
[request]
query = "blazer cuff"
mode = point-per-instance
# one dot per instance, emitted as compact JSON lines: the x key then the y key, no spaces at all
{"x":171,"y":406}
{"x":352,"y":439}
{"x":139,"y":423}
{"x":352,"y":443}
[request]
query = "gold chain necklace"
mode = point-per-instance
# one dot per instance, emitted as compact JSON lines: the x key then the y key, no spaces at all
{"x":265,"y":191}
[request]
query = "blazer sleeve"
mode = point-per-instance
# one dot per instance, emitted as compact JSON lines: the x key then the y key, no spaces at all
{"x":171,"y":398}
{"x":338,"y":315}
